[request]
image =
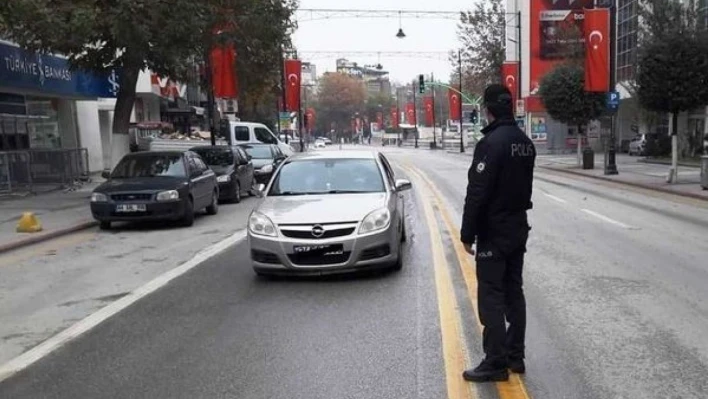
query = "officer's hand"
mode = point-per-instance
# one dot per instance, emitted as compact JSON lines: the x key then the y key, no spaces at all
{"x":469,"y":249}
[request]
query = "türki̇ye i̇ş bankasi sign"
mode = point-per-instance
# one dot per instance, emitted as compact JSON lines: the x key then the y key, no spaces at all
{"x":42,"y":73}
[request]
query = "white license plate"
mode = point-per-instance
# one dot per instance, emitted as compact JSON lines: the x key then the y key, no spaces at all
{"x":131,"y":208}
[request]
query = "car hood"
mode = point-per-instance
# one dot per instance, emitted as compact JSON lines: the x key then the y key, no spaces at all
{"x":141,"y":184}
{"x":259,"y":163}
{"x":222,"y":170}
{"x":327,"y":208}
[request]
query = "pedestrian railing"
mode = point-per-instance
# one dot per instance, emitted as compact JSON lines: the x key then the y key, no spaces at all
{"x":46,"y":169}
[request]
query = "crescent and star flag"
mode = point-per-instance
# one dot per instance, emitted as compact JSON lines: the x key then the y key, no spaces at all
{"x":223,"y":68}
{"x":510,"y":78}
{"x":394,"y":117}
{"x":597,"y":49}
{"x":310,"y":115}
{"x":293,"y":70}
{"x":453,"y":99}
{"x":410,"y":113}
{"x":428,"y":104}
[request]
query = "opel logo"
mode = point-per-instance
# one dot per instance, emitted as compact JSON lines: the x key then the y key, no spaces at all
{"x":317,"y":231}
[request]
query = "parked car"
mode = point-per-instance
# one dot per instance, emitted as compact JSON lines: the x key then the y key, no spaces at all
{"x":266,"y":159}
{"x":319,"y":143}
{"x":237,"y":133}
{"x":146,"y":186}
{"x":638,"y":145}
{"x":233,"y":168}
{"x":329,"y":212}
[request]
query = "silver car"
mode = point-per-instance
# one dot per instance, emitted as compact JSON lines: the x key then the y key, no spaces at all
{"x":327,"y":213}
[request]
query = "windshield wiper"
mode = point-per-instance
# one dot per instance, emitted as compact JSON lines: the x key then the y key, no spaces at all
{"x":292,"y":193}
{"x":346,"y":192}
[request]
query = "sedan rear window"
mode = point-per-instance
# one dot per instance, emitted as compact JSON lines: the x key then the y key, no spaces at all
{"x":328,"y":176}
{"x":216,"y":156}
{"x":150,"y":166}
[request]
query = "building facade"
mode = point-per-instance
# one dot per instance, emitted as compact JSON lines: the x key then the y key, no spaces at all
{"x":374,"y":77}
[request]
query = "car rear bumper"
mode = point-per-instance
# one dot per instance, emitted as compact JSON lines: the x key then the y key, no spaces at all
{"x":277,"y":256}
{"x":170,"y":210}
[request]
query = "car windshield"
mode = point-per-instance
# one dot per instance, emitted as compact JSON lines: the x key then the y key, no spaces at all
{"x":328,"y":176}
{"x":259,"y":152}
{"x":150,"y":166}
{"x":216,"y":156}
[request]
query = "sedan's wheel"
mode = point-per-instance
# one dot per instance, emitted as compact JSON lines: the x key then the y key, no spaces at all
{"x":213,"y":208}
{"x":188,"y":217}
{"x":104,"y":225}
{"x":404,"y":233}
{"x":237,"y":193}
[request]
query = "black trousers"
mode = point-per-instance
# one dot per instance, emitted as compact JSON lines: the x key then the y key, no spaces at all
{"x":500,"y":298}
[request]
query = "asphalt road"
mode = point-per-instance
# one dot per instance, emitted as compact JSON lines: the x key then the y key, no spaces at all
{"x":616,"y":289}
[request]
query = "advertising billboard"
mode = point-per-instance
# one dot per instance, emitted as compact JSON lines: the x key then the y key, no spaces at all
{"x":556,"y":26}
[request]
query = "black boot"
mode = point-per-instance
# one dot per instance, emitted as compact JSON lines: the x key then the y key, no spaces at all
{"x":486,"y":372}
{"x":517,"y":366}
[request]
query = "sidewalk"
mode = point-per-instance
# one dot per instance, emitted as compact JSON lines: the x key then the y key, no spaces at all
{"x":59,"y":212}
{"x":635,"y":173}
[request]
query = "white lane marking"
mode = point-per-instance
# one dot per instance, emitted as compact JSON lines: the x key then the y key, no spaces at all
{"x":608,"y":220}
{"x":26,"y":359}
{"x":554,"y":198}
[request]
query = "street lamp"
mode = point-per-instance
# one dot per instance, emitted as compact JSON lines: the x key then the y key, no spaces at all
{"x":400,"y":33}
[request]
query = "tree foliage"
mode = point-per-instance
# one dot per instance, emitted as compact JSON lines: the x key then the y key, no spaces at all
{"x":482,"y":33}
{"x":563,"y":94}
{"x":168,"y":37}
{"x":339,"y":98}
{"x":379,"y":103}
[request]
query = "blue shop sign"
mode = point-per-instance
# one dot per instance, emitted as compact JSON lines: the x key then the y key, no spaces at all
{"x":22,"y":69}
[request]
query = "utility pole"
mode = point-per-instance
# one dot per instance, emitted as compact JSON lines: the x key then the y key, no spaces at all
{"x":459,"y":103}
{"x":610,"y":155}
{"x":518,"y":49}
{"x":415,"y":117}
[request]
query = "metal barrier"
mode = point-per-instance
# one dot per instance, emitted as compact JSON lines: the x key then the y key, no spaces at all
{"x":26,"y":171}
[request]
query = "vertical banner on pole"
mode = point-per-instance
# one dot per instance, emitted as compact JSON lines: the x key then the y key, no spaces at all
{"x":428,"y":104}
{"x":510,"y":77}
{"x":597,"y":50}
{"x":293,"y":71}
{"x":410,"y":113}
{"x":394,"y":117}
{"x":453,"y":99}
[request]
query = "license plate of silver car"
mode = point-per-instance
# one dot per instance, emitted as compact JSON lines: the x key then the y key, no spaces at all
{"x":331,"y":249}
{"x":127,"y":208}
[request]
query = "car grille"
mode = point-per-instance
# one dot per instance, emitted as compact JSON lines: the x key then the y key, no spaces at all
{"x":305,"y":231}
{"x":132,"y":197}
{"x":376,"y":252}
{"x":264,"y":257}
{"x":318,"y":260}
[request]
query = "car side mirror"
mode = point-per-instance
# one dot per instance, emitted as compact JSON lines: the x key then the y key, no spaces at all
{"x":260,"y":190}
{"x":403,"y":185}
{"x":106,"y":174}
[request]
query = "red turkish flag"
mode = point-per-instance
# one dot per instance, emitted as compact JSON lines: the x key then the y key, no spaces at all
{"x":453,"y":98}
{"x":223,"y":67}
{"x":429,"y":110}
{"x":310,"y":115}
{"x":394,"y":117}
{"x":510,"y":77}
{"x":410,"y":113}
{"x":293,"y":71}
{"x":597,"y":49}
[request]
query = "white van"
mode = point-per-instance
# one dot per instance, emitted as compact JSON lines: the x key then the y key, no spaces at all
{"x":250,"y":132}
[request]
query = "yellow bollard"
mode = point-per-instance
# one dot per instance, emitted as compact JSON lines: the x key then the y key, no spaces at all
{"x":29,"y":223}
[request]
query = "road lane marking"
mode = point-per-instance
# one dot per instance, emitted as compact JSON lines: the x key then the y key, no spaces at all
{"x":45,"y":348}
{"x":514,"y":388}
{"x":454,"y":352}
{"x":608,"y":220}
{"x":554,"y":198}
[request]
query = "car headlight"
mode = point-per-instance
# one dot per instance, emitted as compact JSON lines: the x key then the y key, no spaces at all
{"x":99,"y":197}
{"x":223,"y":178}
{"x":375,"y":221}
{"x":167,"y":195}
{"x":267,"y":169}
{"x":259,"y":224}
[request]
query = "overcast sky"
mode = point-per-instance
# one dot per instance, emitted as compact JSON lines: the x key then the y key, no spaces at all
{"x":379,"y":34}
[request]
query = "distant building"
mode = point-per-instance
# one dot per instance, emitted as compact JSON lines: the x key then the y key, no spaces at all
{"x":376,"y":79}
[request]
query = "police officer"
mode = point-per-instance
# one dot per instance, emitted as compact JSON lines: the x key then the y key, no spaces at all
{"x":498,"y":195}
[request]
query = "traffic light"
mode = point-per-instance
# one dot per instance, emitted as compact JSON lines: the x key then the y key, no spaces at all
{"x":474,"y":117}
{"x":421,"y":84}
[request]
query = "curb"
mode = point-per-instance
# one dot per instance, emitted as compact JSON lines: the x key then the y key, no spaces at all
{"x":631,"y":184}
{"x":47,"y":236}
{"x":658,"y":162}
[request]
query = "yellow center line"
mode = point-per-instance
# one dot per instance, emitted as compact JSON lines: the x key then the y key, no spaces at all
{"x":514,"y":388}
{"x":454,"y":352}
